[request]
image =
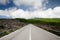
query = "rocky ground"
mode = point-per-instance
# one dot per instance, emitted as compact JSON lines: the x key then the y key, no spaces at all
{"x":9,"y":25}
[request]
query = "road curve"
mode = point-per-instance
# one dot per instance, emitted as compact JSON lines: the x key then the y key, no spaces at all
{"x":30,"y":32}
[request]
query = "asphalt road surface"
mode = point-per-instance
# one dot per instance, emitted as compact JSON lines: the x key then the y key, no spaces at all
{"x":30,"y":32}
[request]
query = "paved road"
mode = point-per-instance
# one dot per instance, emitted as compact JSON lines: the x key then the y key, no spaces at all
{"x":30,"y":32}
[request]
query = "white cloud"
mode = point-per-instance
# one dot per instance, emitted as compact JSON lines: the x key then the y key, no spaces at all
{"x":35,"y":3}
{"x":50,"y":13}
{"x":57,"y":12}
{"x":4,"y":2}
{"x":20,"y":13}
{"x":57,"y":9}
{"x":7,"y":12}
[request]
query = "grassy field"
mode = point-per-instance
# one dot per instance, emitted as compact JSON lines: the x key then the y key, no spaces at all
{"x":49,"y":21}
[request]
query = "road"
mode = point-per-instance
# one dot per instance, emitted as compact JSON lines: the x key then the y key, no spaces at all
{"x":30,"y":32}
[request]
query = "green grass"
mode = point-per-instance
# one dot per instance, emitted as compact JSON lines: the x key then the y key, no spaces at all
{"x":49,"y":21}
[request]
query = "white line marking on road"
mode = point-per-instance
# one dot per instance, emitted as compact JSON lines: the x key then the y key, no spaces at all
{"x":30,"y":33}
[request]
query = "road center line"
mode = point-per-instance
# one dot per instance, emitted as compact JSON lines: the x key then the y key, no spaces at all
{"x":30,"y":33}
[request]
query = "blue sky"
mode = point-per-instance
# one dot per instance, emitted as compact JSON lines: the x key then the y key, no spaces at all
{"x":29,"y":7}
{"x":50,"y":4}
{"x":11,"y":4}
{"x":53,"y":3}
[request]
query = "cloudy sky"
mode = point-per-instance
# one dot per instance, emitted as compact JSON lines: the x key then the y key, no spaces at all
{"x":29,"y":9}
